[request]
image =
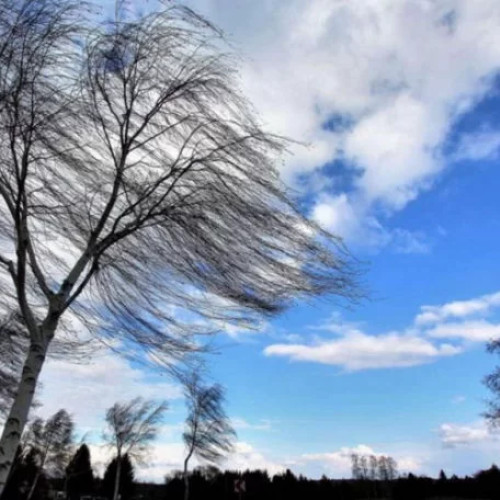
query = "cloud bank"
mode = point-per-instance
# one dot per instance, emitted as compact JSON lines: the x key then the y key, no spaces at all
{"x":430,"y":337}
{"x":375,"y":86}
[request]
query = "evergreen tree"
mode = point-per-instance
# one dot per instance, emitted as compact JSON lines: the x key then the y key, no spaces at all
{"x":79,"y":475}
{"x":23,"y":472}
{"x":126,"y":487}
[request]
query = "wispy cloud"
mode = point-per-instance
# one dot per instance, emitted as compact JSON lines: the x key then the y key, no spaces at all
{"x":458,"y":309}
{"x":428,"y":338}
{"x":484,"y":144}
{"x":475,"y":331}
{"x":453,"y":435}
{"x":359,"y":351}
{"x":243,"y":424}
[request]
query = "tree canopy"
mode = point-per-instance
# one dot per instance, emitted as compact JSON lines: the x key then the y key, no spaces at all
{"x":140,"y":198}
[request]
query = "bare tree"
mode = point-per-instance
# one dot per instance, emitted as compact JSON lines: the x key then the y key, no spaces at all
{"x":492,"y":382}
{"x":209,"y":434}
{"x":140,"y":198}
{"x":51,"y":440}
{"x":132,"y":426}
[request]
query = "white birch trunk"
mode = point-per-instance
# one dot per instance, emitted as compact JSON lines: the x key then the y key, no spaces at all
{"x":18,"y":415}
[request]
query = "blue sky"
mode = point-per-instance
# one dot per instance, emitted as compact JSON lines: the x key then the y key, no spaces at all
{"x":399,"y":103}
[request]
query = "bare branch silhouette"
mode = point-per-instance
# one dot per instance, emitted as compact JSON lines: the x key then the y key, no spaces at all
{"x":208,"y":434}
{"x":132,"y":426}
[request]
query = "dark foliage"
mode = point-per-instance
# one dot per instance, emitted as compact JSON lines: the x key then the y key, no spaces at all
{"x":22,"y":475}
{"x":79,"y":475}
{"x":259,"y":486}
{"x":208,"y":483}
{"x":126,"y":488}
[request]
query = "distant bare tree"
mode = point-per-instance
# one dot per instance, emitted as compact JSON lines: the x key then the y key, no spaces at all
{"x":356,"y":470}
{"x":209,"y":434}
{"x":492,"y":382}
{"x":51,"y":440}
{"x":132,"y":426}
{"x":140,"y":198}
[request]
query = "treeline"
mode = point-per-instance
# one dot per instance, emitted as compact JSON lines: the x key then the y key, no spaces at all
{"x":50,"y":465}
{"x":207,"y":483}
{"x":259,"y":485}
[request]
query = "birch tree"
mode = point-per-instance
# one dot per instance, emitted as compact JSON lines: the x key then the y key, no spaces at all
{"x":13,"y":344}
{"x":140,"y":197}
{"x":208,"y":434}
{"x":51,"y":442}
{"x":132,"y":426}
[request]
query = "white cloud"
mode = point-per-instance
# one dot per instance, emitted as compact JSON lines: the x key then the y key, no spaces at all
{"x":453,"y":435}
{"x":338,"y":463}
{"x":396,"y":74}
{"x":349,"y":218}
{"x":458,"y":309}
{"x":352,"y":349}
{"x":246,"y":456}
{"x":479,"y":145}
{"x":242,"y":424}
{"x":358,"y":351}
{"x":87,"y":390}
{"x":167,"y":457}
{"x":474,"y":331}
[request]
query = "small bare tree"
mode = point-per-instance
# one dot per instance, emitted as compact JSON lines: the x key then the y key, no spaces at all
{"x":139,"y":197}
{"x":208,"y":435}
{"x":132,"y":427}
{"x":51,"y":441}
{"x":492,"y":382}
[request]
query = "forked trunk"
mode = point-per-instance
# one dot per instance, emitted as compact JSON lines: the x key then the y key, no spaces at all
{"x":18,"y":414}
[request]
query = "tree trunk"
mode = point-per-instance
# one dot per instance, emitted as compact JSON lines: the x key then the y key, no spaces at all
{"x":35,"y":482}
{"x":186,"y":478}
{"x":117,"y":477}
{"x":18,"y":414}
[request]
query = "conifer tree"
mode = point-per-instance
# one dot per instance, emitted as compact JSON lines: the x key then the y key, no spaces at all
{"x":79,"y":474}
{"x":126,"y":484}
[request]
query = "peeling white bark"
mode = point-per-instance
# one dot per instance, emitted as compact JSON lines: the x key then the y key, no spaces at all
{"x":18,"y":415}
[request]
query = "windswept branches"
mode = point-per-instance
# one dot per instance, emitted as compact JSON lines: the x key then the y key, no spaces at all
{"x":492,"y":382}
{"x":208,"y":434}
{"x":51,"y":442}
{"x":138,"y":193}
{"x":187,"y":186}
{"x":132,"y":426}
